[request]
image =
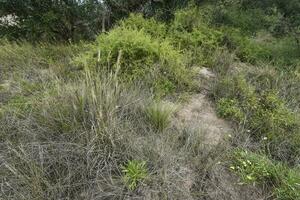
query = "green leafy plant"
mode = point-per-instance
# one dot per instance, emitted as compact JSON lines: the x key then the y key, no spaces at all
{"x":257,"y":168}
{"x":290,"y":189}
{"x":191,"y":32}
{"x":228,"y":108}
{"x":150,"y":26}
{"x":138,"y":56}
{"x":264,"y":113}
{"x":133,"y":173}
{"x":254,"y":167}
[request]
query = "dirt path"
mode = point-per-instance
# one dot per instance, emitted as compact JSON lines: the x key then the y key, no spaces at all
{"x":200,"y":113}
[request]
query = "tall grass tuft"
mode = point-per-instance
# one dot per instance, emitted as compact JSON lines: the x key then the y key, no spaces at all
{"x":159,"y":114}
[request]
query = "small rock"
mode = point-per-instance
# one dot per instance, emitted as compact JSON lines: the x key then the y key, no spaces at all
{"x":206,"y":73}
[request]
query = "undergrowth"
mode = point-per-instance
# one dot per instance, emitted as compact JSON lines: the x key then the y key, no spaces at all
{"x":258,"y":169}
{"x":95,"y":120}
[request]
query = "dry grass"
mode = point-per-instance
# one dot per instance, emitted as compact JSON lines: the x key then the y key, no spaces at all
{"x":65,"y":133}
{"x":67,"y":137}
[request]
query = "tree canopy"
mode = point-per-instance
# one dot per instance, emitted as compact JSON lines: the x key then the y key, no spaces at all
{"x":84,"y":19}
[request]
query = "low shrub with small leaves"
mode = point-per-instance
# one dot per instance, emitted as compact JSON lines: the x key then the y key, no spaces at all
{"x":282,"y":52}
{"x":138,"y":56}
{"x":263,"y":112}
{"x":191,"y":32}
{"x":254,"y":168}
{"x":284,"y":182}
{"x":228,"y":108}
{"x":150,"y":26}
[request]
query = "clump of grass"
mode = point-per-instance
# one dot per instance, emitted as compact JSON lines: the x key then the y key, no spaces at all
{"x":134,"y":172}
{"x":58,"y":146}
{"x":290,"y":188}
{"x":159,"y":114}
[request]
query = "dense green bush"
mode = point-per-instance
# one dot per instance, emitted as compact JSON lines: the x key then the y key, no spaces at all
{"x":52,"y":20}
{"x":190,"y":31}
{"x":282,"y":52}
{"x":136,"y":55}
{"x":150,"y":26}
{"x":249,"y":21}
{"x":228,"y":108}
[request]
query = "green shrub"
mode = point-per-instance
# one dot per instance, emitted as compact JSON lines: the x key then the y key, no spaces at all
{"x":261,"y":112}
{"x":229,"y":108}
{"x":191,"y":32}
{"x":191,"y":17}
{"x":248,"y":21}
{"x":137,"y":56}
{"x":159,"y":114}
{"x":150,"y":26}
{"x":256,"y":168}
{"x":265,"y":110}
{"x":246,"y":49}
{"x":134,"y":172}
{"x":281,"y":52}
{"x":273,"y":113}
{"x":199,"y":44}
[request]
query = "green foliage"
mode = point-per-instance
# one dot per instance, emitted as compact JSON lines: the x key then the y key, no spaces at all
{"x":52,"y":20}
{"x":290,"y":188}
{"x":262,"y":48}
{"x":150,"y":26}
{"x":191,"y":32}
{"x":256,"y":168}
{"x":159,"y":114}
{"x":228,"y":108}
{"x":249,"y":21}
{"x":289,"y":9}
{"x":137,"y":56}
{"x":264,"y":113}
{"x":191,"y":17}
{"x":164,"y":10}
{"x":24,"y":57}
{"x":134,"y":172}
{"x":275,"y":113}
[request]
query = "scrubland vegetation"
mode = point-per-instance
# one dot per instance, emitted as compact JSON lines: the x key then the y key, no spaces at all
{"x":95,"y":117}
